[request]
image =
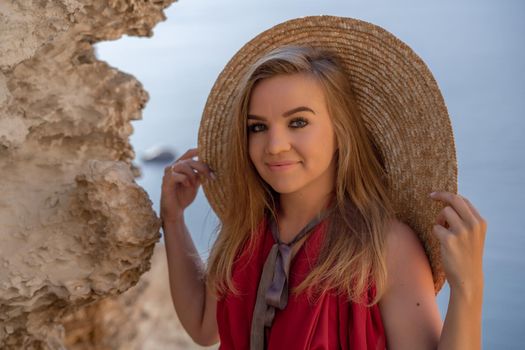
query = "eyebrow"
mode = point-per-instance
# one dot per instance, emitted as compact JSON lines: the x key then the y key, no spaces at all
{"x":285,"y":114}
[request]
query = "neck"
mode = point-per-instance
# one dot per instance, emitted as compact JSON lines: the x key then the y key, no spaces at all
{"x":301,"y":207}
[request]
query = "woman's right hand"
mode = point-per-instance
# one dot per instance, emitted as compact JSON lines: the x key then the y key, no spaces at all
{"x":180,"y":183}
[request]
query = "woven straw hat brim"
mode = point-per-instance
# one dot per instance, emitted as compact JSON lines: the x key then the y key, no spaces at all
{"x":397,"y":95}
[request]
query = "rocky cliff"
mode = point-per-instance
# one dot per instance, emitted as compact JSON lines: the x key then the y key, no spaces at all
{"x":75,"y":228}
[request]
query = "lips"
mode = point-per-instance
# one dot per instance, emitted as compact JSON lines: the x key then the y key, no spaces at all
{"x":280,"y":166}
{"x":281,"y":163}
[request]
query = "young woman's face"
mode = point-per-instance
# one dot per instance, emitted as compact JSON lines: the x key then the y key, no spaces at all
{"x":291,"y":140}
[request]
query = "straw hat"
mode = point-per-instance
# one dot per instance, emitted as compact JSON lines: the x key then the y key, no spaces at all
{"x":398,"y":98}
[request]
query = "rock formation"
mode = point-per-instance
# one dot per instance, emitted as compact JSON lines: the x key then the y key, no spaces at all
{"x":143,"y":318}
{"x":75,"y":228}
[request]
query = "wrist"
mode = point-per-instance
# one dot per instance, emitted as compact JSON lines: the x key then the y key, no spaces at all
{"x":172,"y":219}
{"x":469,"y":293}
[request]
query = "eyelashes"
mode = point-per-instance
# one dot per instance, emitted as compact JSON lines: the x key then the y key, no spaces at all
{"x":295,"y":123}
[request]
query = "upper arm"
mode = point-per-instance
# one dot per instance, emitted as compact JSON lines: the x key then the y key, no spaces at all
{"x":409,"y":311}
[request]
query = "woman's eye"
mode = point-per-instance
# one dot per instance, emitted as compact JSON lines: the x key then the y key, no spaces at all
{"x":299,"y":122}
{"x":295,"y":123}
{"x":255,"y":127}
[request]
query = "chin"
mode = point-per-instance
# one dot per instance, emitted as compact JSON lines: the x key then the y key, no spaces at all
{"x":284,"y":188}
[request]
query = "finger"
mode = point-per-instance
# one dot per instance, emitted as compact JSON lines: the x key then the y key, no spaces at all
{"x":454,"y":221}
{"x":457,"y":203}
{"x":441,"y":233}
{"x":179,"y":178}
{"x":201,"y":167}
{"x":481,"y":221}
{"x":441,"y":220}
{"x":192,"y":152}
{"x":180,"y":168}
{"x":186,"y":169}
{"x":171,"y":178}
{"x":472,"y":208}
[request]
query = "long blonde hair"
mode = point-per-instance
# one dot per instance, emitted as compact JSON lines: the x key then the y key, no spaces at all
{"x":351,"y":257}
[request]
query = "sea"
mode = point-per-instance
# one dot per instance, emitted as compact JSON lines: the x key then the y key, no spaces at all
{"x":476,"y":52}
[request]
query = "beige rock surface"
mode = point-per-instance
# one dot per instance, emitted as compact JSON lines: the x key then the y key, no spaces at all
{"x":75,"y":228}
{"x":143,"y":318}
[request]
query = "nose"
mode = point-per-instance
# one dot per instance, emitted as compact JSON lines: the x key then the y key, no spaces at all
{"x":277,"y":141}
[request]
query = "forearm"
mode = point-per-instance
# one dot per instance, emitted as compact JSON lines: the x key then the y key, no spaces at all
{"x":462,"y":327}
{"x":185,"y":275}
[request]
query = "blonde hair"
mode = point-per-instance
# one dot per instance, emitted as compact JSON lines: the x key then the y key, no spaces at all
{"x":351,"y":257}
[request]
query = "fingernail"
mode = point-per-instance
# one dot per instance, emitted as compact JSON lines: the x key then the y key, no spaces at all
{"x":213,"y":176}
{"x":432,"y":194}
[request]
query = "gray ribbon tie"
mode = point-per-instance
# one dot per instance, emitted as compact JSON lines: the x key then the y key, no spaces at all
{"x":273,"y":285}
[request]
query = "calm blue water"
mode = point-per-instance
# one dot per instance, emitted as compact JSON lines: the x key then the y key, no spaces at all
{"x":477,"y":54}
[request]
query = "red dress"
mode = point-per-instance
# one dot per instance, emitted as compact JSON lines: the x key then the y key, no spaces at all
{"x":332,"y":323}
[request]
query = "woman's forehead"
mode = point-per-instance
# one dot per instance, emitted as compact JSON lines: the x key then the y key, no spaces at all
{"x":280,"y":94}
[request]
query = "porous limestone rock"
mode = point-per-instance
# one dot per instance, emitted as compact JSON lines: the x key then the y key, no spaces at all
{"x":143,"y":318}
{"x":75,"y":228}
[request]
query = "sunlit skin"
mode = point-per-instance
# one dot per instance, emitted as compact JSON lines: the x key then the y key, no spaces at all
{"x":288,"y":121}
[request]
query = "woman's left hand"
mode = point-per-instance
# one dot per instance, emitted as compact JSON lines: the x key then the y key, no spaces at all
{"x":461,"y":232}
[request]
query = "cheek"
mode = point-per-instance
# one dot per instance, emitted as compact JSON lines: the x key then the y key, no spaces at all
{"x":253,"y":150}
{"x":324,"y":145}
{"x":330,"y":137}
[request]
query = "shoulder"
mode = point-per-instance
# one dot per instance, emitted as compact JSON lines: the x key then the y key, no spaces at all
{"x":399,"y":233}
{"x":402,"y":243}
{"x":409,"y":291}
{"x":405,"y":257}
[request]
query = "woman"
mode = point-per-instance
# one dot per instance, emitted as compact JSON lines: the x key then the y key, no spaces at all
{"x":319,"y":182}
